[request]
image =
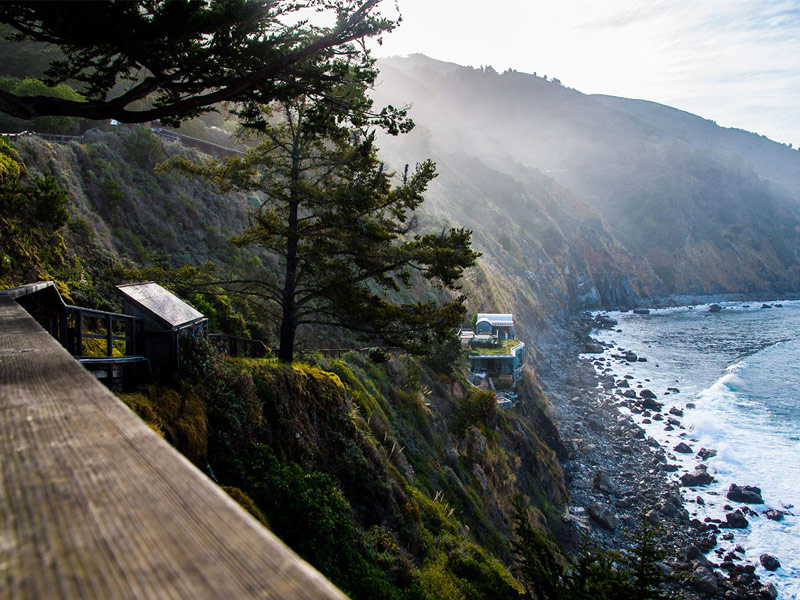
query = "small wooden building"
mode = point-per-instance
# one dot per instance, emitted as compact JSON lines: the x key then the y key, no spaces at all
{"x":165,"y":318}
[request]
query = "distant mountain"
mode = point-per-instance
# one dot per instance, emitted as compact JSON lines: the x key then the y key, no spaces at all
{"x":612,"y":190}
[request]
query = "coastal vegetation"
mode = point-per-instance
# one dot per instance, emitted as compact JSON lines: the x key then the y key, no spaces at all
{"x":385,"y":469}
{"x":378,"y":474}
{"x":343,"y":235}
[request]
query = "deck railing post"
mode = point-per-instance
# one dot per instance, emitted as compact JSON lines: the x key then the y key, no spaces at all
{"x":79,"y":332}
{"x":63,"y":328}
{"x":109,"y":336}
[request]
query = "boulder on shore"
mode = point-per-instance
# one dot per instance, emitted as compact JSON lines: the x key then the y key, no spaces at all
{"x":714,"y":308}
{"x":602,"y":515}
{"x":703,"y":581}
{"x":697,"y":477}
{"x":603,"y":483}
{"x":735,"y":520}
{"x":683,"y":448}
{"x":641,"y":311}
{"x":769,"y":562}
{"x":593,"y":347}
{"x":650,"y":404}
{"x":773,"y":514}
{"x":748,"y":494}
{"x":705,"y":454}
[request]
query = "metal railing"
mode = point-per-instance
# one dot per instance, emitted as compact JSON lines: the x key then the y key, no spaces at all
{"x":238,"y":346}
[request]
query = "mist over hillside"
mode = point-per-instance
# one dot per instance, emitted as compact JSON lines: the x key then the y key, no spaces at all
{"x":605,"y":201}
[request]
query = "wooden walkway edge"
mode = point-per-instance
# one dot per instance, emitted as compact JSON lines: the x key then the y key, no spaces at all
{"x":93,"y":504}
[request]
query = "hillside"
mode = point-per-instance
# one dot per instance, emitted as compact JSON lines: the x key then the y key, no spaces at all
{"x":706,"y":209}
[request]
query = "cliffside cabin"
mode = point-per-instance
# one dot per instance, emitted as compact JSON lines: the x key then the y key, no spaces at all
{"x":165,"y":319}
{"x":493,"y":350}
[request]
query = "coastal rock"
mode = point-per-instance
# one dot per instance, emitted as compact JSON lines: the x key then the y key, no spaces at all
{"x":769,"y":562}
{"x":704,"y":581}
{"x":748,"y":494}
{"x":773,"y":515}
{"x":602,"y":482}
{"x":604,"y":322}
{"x":623,"y":383}
{"x":650,"y":404}
{"x":714,"y":308}
{"x":647,"y":394}
{"x":705,"y":453}
{"x":593,"y":347}
{"x":629,"y":394}
{"x":768,"y":592}
{"x":603,"y":516}
{"x":676,"y":411}
{"x":595,"y":423}
{"x":697,"y":477}
{"x":766,"y":306}
{"x":735,"y":520}
{"x":668,"y":509}
{"x":683,"y":448}
{"x":631,"y":356}
{"x":641,"y":311}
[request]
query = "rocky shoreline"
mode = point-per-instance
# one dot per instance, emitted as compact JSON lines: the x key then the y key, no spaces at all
{"x":616,"y":474}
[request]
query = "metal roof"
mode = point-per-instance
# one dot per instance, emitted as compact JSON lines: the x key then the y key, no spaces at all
{"x":163,"y":304}
{"x":498,"y":320}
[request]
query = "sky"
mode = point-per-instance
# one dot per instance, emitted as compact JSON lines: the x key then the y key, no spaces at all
{"x":736,"y":62}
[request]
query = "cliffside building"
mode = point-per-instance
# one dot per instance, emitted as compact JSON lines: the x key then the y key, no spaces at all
{"x":165,"y":319}
{"x":493,"y":350}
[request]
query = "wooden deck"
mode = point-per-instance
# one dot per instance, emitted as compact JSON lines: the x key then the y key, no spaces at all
{"x":93,"y":504}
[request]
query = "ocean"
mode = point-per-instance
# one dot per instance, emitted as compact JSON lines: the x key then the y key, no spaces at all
{"x":740,"y":367}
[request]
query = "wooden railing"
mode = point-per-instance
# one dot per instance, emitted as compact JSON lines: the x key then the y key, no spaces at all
{"x":74,"y":330}
{"x":95,"y":505}
{"x":238,"y":346}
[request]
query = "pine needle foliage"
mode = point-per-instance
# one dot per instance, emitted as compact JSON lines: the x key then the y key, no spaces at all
{"x":341,"y":227}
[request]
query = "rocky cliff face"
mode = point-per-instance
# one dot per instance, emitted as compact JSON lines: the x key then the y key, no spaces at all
{"x":580,"y":201}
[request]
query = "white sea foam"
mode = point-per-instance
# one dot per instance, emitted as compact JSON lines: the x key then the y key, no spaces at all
{"x":739,"y":367}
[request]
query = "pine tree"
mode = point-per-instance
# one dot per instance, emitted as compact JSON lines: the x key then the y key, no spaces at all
{"x":342,"y":232}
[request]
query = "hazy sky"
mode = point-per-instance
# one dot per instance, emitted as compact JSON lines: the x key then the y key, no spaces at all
{"x":734,"y":61}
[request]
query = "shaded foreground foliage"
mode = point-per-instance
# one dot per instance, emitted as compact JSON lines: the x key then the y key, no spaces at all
{"x":156,"y":59}
{"x":355,"y":466}
{"x":595,"y":574}
{"x":395,"y":482}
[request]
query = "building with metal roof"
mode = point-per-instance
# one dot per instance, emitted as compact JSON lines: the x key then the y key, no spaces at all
{"x":496,"y":324}
{"x":166,"y":318}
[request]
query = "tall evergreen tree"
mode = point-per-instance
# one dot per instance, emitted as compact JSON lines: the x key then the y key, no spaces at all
{"x":540,"y":563}
{"x":341,"y":227}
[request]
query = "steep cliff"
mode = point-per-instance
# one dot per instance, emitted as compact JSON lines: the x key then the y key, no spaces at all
{"x":649,"y":200}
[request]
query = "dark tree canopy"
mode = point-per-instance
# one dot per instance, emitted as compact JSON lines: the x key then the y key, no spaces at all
{"x":342,"y":228}
{"x":174,"y":59}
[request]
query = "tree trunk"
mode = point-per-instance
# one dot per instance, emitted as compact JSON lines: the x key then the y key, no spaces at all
{"x":288,"y":329}
{"x":288,"y":304}
{"x":288,"y":301}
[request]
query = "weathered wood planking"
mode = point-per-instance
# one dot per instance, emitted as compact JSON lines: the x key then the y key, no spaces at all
{"x":93,"y":504}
